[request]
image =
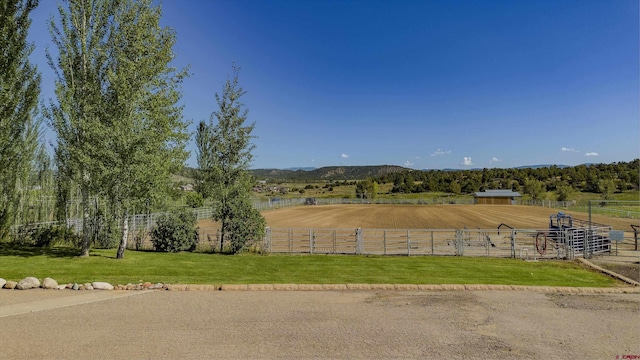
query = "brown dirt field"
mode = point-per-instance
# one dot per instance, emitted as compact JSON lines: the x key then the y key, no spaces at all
{"x":423,"y":217}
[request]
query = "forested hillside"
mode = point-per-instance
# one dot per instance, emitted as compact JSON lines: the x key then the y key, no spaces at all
{"x":619,"y":176}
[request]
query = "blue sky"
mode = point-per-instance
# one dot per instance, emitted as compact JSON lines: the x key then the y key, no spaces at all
{"x":422,"y":84}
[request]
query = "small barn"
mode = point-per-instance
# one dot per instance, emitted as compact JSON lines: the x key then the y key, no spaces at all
{"x":496,"y":197}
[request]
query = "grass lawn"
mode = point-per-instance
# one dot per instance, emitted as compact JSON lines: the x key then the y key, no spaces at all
{"x":198,"y":268}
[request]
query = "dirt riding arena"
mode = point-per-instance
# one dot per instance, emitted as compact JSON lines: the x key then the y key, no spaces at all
{"x":424,"y":217}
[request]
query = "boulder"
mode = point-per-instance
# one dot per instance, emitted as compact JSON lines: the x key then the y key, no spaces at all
{"x":49,"y":283}
{"x":28,"y":283}
{"x":10,"y":284}
{"x":75,"y":286}
{"x":99,"y":285}
{"x":2,"y":282}
{"x":61,"y":287}
{"x":88,"y":286}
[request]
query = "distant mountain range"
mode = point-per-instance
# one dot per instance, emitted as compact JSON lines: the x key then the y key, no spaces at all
{"x":327,"y":172}
{"x":352,"y":172}
{"x":544,"y":166}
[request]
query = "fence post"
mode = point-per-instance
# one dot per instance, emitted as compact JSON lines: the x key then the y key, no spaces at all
{"x":384,"y":242}
{"x":335,"y":246}
{"x":513,"y":244}
{"x":459,"y":244}
{"x":266,"y":241}
{"x":432,"y":249}
{"x":311,"y":241}
{"x":487,"y":242}
{"x":359,"y":241}
{"x":408,"y":244}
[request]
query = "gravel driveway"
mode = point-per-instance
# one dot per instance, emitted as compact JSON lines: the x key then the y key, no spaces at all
{"x":324,"y":324}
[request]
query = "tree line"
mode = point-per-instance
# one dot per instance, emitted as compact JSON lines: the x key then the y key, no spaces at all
{"x":117,"y":119}
{"x":594,"y":178}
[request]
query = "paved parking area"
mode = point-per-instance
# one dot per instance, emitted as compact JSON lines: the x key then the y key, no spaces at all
{"x":320,"y":325}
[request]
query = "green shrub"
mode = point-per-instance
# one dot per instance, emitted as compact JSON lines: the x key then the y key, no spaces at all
{"x":175,"y":231}
{"x":107,"y":231}
{"x":194,"y":199}
{"x":246,"y":229}
{"x":53,"y":235}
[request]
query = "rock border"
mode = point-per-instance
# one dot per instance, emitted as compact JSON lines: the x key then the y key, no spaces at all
{"x":401,"y":287}
{"x":49,"y":283}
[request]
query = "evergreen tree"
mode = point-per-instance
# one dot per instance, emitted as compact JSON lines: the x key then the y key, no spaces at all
{"x":224,"y":155}
{"x":19,"y":91}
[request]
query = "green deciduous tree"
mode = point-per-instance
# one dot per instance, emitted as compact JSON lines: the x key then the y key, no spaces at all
{"x":77,"y":114}
{"x":454,"y":187}
{"x":146,"y":133}
{"x":19,"y":91}
{"x":535,"y":188}
{"x":607,"y":187}
{"x":564,"y":192}
{"x":367,"y":189}
{"x":119,"y":128}
{"x":224,"y":155}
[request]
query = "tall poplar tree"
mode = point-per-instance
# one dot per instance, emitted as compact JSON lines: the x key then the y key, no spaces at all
{"x":19,"y":91}
{"x":77,"y":115}
{"x":147,"y":133}
{"x":224,"y":156}
{"x":120,"y":130}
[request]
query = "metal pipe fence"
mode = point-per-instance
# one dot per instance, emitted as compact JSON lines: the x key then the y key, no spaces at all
{"x":620,"y":209}
{"x":523,"y":243}
{"x":512,"y":243}
{"x":460,"y":242}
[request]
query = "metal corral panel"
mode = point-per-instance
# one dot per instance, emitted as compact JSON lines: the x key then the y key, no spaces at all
{"x":524,"y":243}
{"x":409,"y":242}
{"x":314,"y":241}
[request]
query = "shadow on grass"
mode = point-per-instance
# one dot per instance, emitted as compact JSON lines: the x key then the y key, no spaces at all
{"x":7,"y":249}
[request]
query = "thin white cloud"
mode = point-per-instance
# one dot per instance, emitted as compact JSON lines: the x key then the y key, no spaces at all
{"x":408,"y":163}
{"x":494,"y":160}
{"x":566,"y":149}
{"x":592,"y":154}
{"x":441,"y":152}
{"x":344,"y":156}
{"x":466,"y":161}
